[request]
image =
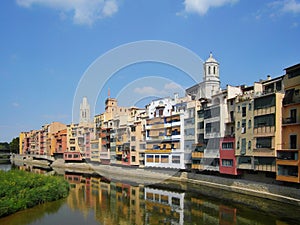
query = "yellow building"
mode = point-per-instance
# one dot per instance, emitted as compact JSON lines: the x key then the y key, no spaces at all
{"x":22,"y":141}
{"x":288,"y":162}
{"x":267,"y":125}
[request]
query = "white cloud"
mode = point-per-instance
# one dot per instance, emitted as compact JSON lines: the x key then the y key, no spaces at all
{"x":202,"y":6}
{"x":286,"y":6}
{"x":15,"y":104}
{"x":85,"y":12}
{"x":168,"y":88}
{"x":291,"y":6}
{"x":148,"y":90}
{"x":172,"y":86}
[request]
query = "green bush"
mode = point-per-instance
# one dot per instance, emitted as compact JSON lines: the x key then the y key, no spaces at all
{"x":21,"y":190}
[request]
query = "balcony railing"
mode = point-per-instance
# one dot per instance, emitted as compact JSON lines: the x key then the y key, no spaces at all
{"x":290,"y":120}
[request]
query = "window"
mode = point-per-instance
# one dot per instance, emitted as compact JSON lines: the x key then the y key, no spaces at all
{"x":239,"y":108}
{"x":292,"y":74}
{"x":200,"y":113}
{"x":278,"y":86}
{"x":176,"y":159}
{"x":238,"y":125}
{"x":243,"y":148}
{"x":132,"y":138}
{"x":164,"y":159}
{"x":238,"y":145}
{"x":250,"y":107}
{"x":244,"y":111}
{"x":133,"y":148}
{"x":132,"y":129}
{"x":293,"y":141}
{"x":231,"y":116}
{"x":249,"y":124}
{"x":243,"y":126}
{"x":227,"y":162}
{"x":200,"y":125}
{"x":212,"y":127}
{"x":265,"y":120}
{"x":249,"y":145}
{"x":264,"y":102}
{"x":213,"y":112}
{"x":132,"y":158}
{"x":264,"y":142}
{"x":161,"y":112}
{"x":157,"y":158}
{"x":293,"y":115}
{"x":149,"y":158}
{"x":244,"y":159}
{"x":227,"y":145}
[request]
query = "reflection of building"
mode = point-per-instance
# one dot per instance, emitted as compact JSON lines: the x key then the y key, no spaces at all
{"x":288,"y":161}
{"x":164,"y":207}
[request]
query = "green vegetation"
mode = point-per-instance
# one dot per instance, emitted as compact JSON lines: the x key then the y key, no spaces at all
{"x":21,"y":190}
{"x":12,"y":147}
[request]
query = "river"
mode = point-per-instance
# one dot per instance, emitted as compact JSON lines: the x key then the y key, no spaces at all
{"x":94,"y":199}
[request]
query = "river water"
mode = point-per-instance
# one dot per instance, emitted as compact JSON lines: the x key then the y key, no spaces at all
{"x":94,"y":199}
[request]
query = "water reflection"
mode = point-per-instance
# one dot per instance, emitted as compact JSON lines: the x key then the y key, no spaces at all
{"x":94,"y":199}
{"x":5,"y":166}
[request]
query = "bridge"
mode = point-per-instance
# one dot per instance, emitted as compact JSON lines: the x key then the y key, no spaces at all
{"x":5,"y":156}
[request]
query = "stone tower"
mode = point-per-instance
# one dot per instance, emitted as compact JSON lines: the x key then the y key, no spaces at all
{"x":85,"y":113}
{"x":211,"y":76}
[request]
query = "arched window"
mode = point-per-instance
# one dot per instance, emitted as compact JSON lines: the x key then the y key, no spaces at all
{"x":209,"y":70}
{"x":249,"y":123}
{"x":238,"y":145}
{"x":214,"y":70}
{"x":249,"y":145}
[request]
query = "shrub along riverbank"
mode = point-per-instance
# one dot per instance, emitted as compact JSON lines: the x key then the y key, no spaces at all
{"x":21,"y":190}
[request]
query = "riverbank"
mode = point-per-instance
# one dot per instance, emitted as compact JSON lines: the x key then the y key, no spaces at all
{"x":280,"y":193}
{"x":20,"y":190}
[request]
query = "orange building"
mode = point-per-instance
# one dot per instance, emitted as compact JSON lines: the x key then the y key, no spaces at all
{"x":59,"y":142}
{"x":288,"y":162}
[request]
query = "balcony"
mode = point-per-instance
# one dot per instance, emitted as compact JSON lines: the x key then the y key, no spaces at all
{"x":265,"y":167}
{"x":264,"y":131}
{"x":197,"y":166}
{"x":245,"y":166}
{"x":197,"y":155}
{"x":264,"y":111}
{"x":264,"y":152}
{"x":158,"y":151}
{"x":212,"y":135}
{"x":290,"y":121}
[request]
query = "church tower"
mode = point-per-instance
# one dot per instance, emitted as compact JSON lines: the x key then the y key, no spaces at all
{"x":211,"y":76}
{"x":85,"y":113}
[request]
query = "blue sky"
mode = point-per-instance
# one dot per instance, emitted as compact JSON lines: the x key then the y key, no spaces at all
{"x":47,"y":45}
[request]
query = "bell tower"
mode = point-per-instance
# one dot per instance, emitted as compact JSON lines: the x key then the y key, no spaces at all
{"x":211,"y":76}
{"x":84,"y":111}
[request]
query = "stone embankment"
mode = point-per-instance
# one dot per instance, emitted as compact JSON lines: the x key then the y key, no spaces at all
{"x":147,"y":176}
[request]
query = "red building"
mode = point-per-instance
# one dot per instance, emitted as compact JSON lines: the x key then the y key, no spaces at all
{"x":227,"y":156}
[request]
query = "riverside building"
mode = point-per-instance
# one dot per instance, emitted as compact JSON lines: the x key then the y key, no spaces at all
{"x":288,"y":162}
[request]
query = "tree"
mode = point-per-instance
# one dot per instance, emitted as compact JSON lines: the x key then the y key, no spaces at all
{"x":4,"y":146}
{"x":14,"y":145}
